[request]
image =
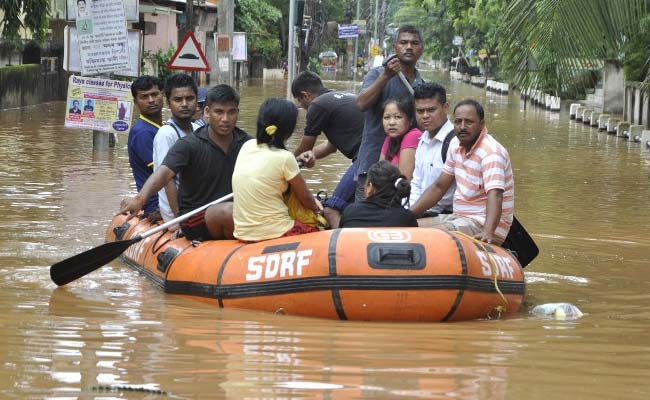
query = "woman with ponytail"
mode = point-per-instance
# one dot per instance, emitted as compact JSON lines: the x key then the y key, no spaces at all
{"x":265,"y":170}
{"x":385,"y":189}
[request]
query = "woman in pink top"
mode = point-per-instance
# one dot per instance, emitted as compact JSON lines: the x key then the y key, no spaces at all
{"x":402,"y":137}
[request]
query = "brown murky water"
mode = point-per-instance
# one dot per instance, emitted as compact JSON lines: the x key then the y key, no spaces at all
{"x":582,"y":194}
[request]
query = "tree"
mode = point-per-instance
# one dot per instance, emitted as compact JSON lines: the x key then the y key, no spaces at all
{"x":476,"y":21}
{"x":36,"y":18}
{"x":258,"y":18}
{"x":548,"y":44}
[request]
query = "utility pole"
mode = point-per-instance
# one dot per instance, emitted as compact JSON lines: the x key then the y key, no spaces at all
{"x":291,"y":59}
{"x":376,"y":19}
{"x":189,"y":15}
{"x":225,"y":27}
{"x":356,"y":47}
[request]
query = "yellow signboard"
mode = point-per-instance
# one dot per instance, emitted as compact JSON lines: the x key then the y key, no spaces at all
{"x":100,"y":104}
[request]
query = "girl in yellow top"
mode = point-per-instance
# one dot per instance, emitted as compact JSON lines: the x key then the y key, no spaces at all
{"x":264,"y":171}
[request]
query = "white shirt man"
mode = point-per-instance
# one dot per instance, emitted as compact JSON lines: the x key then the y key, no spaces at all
{"x":181,"y":93}
{"x":431,"y":109}
{"x":428,"y":166}
{"x":167,"y":135}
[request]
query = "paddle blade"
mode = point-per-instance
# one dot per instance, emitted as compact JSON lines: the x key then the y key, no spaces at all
{"x":84,"y":263}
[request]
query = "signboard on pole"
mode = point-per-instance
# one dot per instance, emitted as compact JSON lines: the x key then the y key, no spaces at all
{"x":71,"y":9}
{"x":72,"y":57}
{"x":348,"y":31}
{"x":222,"y":43}
{"x":102,"y":35}
{"x":189,"y":56}
{"x":99,"y":104}
{"x":239,"y":51}
{"x":458,"y":41}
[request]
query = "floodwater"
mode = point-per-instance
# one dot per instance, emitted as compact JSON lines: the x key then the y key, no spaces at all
{"x":582,"y":194}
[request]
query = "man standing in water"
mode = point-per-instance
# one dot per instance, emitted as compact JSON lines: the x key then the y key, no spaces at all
{"x":181,"y":93}
{"x":381,"y":84}
{"x":147,"y":95}
{"x":205,"y":162}
{"x":484,"y":196}
{"x":335,"y":114}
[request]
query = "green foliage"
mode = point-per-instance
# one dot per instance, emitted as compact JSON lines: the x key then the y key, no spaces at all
{"x":314,"y":65}
{"x":36,"y":18}
{"x":334,"y":10}
{"x":637,"y":50}
{"x":259,"y":19}
{"x":162,"y":59}
{"x":476,"y":21}
{"x":549,"y":44}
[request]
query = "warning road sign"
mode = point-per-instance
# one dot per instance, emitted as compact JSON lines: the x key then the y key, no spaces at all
{"x":189,"y":56}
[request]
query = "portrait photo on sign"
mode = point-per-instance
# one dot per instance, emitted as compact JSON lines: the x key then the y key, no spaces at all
{"x":82,"y":9}
{"x":89,"y":105}
{"x":124,"y":111}
{"x":74,"y":107}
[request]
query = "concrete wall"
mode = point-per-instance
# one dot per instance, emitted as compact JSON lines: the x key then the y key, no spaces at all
{"x":166,"y":32}
{"x":613,"y":88}
{"x":26,"y":85}
{"x":19,"y":85}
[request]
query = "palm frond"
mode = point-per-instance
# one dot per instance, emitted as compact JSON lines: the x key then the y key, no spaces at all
{"x":548,"y":44}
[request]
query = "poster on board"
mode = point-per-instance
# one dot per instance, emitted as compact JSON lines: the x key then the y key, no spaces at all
{"x":72,"y":58}
{"x":99,"y":104}
{"x":239,"y":51}
{"x":72,"y":6}
{"x":102,"y":36}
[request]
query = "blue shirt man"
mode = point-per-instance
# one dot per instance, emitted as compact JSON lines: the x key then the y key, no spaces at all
{"x":147,"y":95}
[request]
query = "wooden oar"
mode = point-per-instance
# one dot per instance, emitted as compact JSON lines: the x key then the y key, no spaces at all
{"x":84,"y":263}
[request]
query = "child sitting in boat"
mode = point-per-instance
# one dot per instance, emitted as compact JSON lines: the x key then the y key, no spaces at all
{"x":385,"y":188}
{"x":402,"y":135}
{"x":264,"y":171}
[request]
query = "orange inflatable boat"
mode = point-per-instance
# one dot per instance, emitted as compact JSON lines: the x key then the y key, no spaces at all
{"x":373,"y":274}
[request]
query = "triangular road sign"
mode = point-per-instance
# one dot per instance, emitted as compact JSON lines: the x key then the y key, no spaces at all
{"x":189,"y":56}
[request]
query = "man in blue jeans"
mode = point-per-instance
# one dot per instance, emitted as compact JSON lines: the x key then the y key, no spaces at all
{"x":335,"y":114}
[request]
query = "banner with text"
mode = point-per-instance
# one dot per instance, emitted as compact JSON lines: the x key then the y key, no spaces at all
{"x":347,"y":31}
{"x":99,"y":104}
{"x":103,"y":40}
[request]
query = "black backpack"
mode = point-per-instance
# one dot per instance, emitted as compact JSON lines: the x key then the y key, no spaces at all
{"x":445,"y":145}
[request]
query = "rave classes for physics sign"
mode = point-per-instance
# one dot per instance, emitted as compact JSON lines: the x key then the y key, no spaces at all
{"x":99,"y":104}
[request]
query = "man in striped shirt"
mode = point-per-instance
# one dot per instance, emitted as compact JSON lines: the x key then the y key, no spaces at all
{"x":480,"y":166}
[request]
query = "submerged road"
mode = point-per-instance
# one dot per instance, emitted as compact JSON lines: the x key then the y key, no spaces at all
{"x":582,"y":195}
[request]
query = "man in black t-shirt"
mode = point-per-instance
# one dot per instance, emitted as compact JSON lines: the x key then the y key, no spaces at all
{"x":336,"y":115}
{"x":205,"y":162}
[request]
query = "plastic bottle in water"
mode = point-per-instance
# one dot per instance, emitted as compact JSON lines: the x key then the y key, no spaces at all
{"x":558,"y":311}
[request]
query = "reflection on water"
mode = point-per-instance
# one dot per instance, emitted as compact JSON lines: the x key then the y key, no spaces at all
{"x":112,"y":335}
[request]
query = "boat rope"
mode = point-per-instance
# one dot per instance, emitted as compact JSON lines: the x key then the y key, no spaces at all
{"x":499,"y":309}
